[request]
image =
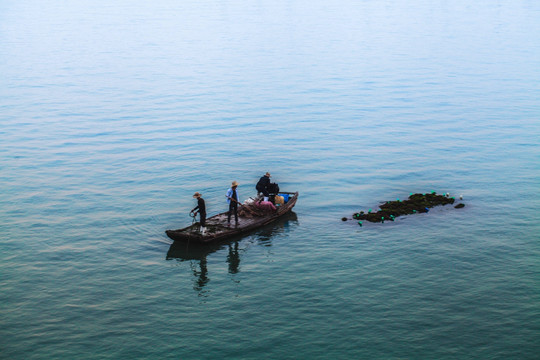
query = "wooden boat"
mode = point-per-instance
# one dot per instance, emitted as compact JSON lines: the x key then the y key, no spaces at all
{"x":250,"y":217}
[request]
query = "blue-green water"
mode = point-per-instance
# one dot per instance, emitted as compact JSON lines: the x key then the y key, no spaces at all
{"x":113,"y":113}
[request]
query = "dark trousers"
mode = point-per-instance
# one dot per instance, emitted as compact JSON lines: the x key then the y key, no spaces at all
{"x":202,"y":216}
{"x":233,"y":208}
{"x":263,"y":191}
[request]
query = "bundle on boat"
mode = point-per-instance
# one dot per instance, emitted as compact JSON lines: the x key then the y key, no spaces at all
{"x":416,"y":203}
{"x":257,"y":207}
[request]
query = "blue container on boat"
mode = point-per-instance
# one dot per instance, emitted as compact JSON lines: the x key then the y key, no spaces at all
{"x":285,"y":197}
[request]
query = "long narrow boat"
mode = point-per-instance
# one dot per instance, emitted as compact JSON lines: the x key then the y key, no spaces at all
{"x":250,"y":217}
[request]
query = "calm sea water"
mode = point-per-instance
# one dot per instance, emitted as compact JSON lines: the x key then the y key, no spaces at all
{"x":113,"y":113}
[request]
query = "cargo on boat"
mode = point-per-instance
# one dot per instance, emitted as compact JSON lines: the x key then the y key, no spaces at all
{"x":251,"y":215}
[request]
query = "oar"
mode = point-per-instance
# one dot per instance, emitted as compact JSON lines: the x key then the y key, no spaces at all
{"x":193,"y":215}
{"x":236,"y":201}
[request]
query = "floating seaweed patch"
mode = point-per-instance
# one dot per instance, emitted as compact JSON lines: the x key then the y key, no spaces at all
{"x":416,"y":203}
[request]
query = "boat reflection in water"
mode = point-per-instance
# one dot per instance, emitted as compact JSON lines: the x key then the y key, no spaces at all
{"x":197,"y":253}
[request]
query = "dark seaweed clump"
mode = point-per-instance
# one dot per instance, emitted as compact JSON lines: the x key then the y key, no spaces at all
{"x":416,"y":203}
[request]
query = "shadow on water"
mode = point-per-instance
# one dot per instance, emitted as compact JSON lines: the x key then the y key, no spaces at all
{"x":197,"y":253}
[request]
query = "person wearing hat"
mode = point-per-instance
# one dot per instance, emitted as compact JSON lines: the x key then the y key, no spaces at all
{"x":262,"y":186}
{"x":233,"y":200}
{"x":201,"y":206}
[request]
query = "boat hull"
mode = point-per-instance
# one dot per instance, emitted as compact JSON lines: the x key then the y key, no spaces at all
{"x":218,"y":229}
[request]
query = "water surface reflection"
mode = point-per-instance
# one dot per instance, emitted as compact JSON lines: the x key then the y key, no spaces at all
{"x":197,"y":254}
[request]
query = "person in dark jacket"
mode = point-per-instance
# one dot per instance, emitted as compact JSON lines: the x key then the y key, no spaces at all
{"x":262,"y":186}
{"x":201,"y":206}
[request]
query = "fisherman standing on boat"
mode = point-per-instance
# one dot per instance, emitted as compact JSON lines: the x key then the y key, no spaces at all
{"x":262,"y":186}
{"x":201,"y":206}
{"x":233,"y":200}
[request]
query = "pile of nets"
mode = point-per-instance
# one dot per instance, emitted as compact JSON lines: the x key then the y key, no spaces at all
{"x":256,"y":209}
